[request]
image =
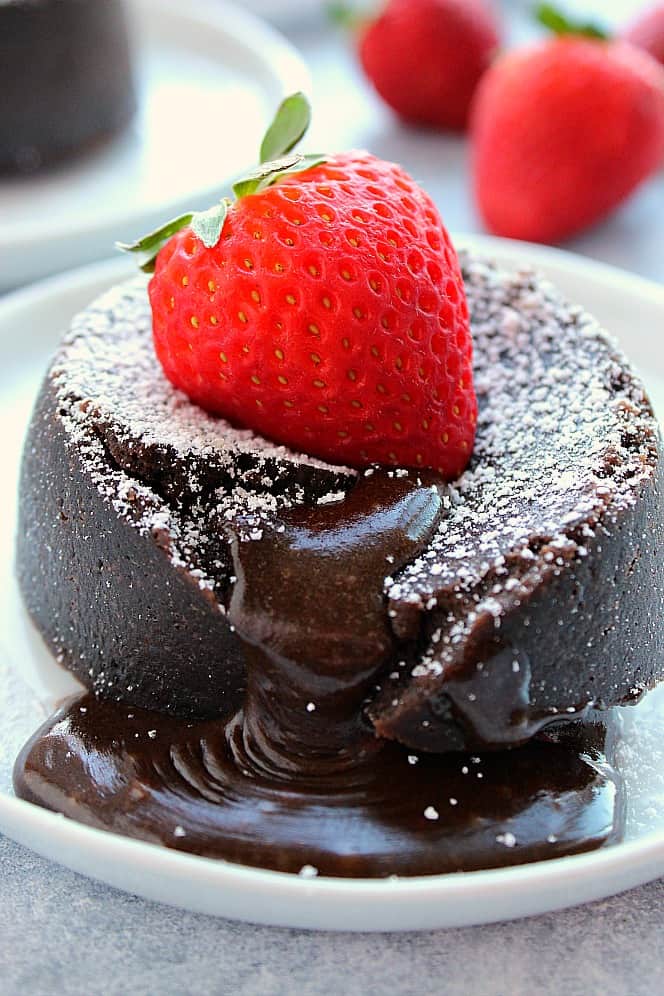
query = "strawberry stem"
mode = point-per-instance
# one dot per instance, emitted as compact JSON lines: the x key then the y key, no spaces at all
{"x":344,"y":15}
{"x":288,"y":127}
{"x":267,"y":173}
{"x":552,"y":17}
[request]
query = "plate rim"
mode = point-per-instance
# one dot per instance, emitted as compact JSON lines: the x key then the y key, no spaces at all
{"x":238,"y":25}
{"x":570,"y":880}
{"x":527,"y":253}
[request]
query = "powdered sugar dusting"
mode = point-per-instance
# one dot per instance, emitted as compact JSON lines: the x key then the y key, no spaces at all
{"x":108,"y":358}
{"x":566,"y":457}
{"x":564,"y":433}
{"x":162,"y":462}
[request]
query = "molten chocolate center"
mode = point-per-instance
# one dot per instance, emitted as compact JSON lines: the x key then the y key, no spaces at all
{"x":309,"y":606}
{"x":298,"y":778}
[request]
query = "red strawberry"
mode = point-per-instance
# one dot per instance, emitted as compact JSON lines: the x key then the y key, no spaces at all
{"x":647,"y":32}
{"x":325,"y":311}
{"x":563,"y":132}
{"x":425,"y":57}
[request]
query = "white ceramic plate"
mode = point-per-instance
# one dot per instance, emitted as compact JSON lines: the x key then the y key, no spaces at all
{"x":289,"y":12}
{"x":30,"y":324}
{"x":209,"y":77}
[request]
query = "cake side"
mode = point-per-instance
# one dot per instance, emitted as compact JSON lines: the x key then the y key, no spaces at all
{"x":110,"y":580}
{"x":125,"y":488}
{"x":580,"y":630}
{"x":561,"y":588}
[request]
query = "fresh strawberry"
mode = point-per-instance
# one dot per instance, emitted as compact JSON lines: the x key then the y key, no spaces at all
{"x":323,"y":309}
{"x":647,"y":32}
{"x":563,"y":132}
{"x":425,"y":57}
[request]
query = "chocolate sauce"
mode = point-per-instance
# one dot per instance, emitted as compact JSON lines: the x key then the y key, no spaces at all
{"x":309,"y":606}
{"x":298,"y":778}
{"x":194,"y":787}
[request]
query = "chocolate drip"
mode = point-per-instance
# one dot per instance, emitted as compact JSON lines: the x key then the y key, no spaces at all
{"x":490,"y":701}
{"x":309,"y":606}
{"x":298,"y":777}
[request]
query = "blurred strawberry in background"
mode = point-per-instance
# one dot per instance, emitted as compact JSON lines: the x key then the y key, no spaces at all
{"x":647,"y":31}
{"x":425,"y":57}
{"x":564,"y":131}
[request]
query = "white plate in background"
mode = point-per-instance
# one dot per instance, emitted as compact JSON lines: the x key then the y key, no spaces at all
{"x":633,"y":309}
{"x":288,"y":12}
{"x":209,"y":77}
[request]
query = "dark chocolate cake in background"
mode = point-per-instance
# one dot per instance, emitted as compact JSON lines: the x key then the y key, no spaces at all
{"x":538,"y":597}
{"x":65,"y":78}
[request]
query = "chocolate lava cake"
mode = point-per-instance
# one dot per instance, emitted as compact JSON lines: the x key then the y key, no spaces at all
{"x":538,"y":595}
{"x":65,"y":78}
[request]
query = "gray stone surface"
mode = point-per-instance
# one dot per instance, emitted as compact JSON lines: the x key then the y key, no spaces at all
{"x":63,"y":934}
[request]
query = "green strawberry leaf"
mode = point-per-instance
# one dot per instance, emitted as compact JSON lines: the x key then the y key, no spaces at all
{"x":150,"y":244}
{"x":289,"y":126}
{"x":158,"y":237}
{"x":550,"y":17}
{"x":268,"y":173}
{"x":208,"y":225}
{"x":344,"y":15}
{"x":305,"y":163}
{"x":250,"y":183}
